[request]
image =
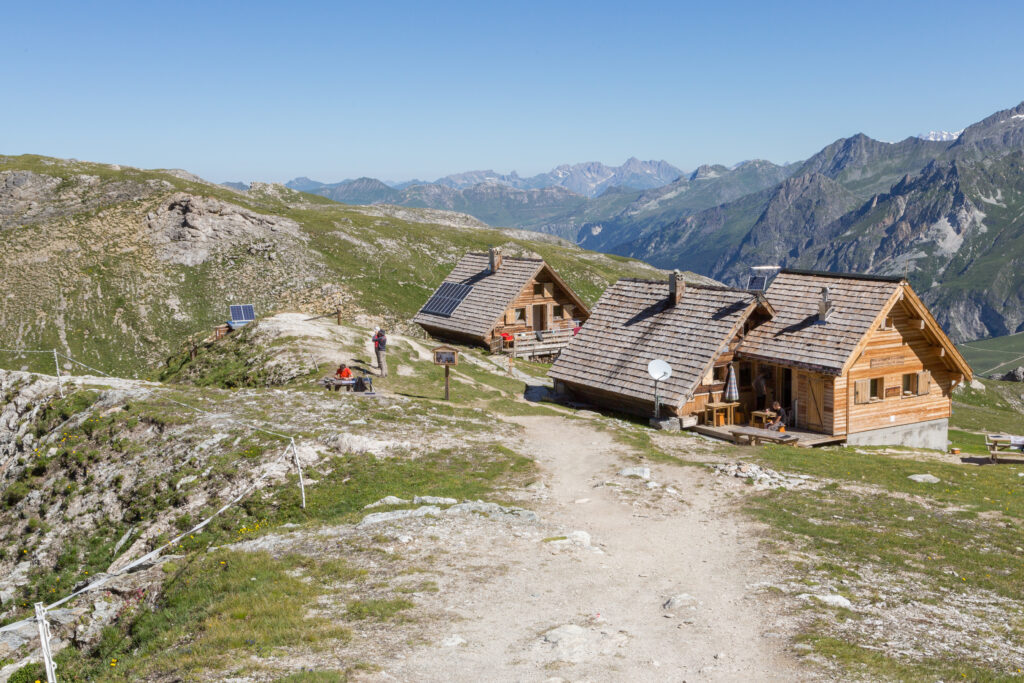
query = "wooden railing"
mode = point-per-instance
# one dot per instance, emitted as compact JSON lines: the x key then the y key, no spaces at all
{"x":532,"y":344}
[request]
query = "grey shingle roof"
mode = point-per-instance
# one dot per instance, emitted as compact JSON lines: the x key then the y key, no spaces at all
{"x":633,"y":324}
{"x":492,"y":293}
{"x":793,"y":335}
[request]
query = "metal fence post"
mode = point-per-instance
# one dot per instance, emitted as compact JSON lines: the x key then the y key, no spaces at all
{"x":56,"y":364}
{"x":302,"y":485}
{"x":44,"y":643}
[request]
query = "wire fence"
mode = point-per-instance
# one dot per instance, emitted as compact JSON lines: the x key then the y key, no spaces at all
{"x":41,"y":608}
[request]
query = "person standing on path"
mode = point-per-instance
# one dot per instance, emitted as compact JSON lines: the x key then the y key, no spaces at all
{"x":380,"y":346}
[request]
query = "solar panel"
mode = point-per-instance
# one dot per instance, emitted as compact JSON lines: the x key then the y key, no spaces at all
{"x":243,"y":313}
{"x":447,"y":298}
{"x":757,"y":282}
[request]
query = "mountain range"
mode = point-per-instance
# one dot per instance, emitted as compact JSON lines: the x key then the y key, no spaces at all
{"x":946,"y":209}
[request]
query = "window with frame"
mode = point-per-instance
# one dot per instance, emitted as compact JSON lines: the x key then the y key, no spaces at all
{"x":520,"y":316}
{"x":720,"y":374}
{"x":910,"y":384}
{"x":869,"y":390}
{"x":557,"y":312}
{"x":877,"y":392}
{"x":538,"y":289}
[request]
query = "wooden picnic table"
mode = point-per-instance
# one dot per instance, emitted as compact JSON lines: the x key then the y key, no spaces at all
{"x":712,"y":408}
{"x":755,"y":435}
{"x":1003,"y":443}
{"x":761,"y":418}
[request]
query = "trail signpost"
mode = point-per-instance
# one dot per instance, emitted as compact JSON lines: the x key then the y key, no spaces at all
{"x":659,"y":371}
{"x":446,"y":356}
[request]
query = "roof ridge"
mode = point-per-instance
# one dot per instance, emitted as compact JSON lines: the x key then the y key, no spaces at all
{"x":505,"y":258}
{"x":689,"y":285}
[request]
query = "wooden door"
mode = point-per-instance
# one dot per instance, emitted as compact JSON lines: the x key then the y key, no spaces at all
{"x":540,"y":317}
{"x":815,"y":403}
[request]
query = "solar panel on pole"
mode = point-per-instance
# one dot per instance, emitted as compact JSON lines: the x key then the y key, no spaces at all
{"x":447,"y":298}
{"x":243,"y":312}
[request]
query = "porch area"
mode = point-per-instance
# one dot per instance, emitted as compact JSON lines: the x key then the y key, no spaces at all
{"x":805,"y":438}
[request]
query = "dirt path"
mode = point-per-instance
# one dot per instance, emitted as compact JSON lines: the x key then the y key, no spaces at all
{"x":574,"y":611}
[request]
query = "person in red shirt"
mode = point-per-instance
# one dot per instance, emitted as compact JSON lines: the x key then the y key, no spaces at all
{"x":343,"y":372}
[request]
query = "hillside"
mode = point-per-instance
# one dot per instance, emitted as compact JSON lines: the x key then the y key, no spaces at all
{"x":118,"y":266}
{"x":498,"y":535}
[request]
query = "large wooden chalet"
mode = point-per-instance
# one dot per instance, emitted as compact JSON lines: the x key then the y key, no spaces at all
{"x":855,"y":357}
{"x":505,"y":303}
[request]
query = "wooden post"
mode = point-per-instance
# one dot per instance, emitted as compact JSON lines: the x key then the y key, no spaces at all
{"x":60,"y":385}
{"x":447,"y":372}
{"x":338,"y":312}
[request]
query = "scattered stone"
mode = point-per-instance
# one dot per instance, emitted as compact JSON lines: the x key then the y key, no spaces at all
{"x":668,"y":424}
{"x":433,"y":500}
{"x":1015,"y":375}
{"x":641,"y":472}
{"x":762,"y":477}
{"x":480,"y":507}
{"x":580,"y":538}
{"x":389,"y":500}
{"x":454,"y":640}
{"x":381,"y":517}
{"x":977,"y":385}
{"x":924,"y":478}
{"x":677,"y":601}
{"x":581,"y":501}
{"x":653,"y":485}
{"x":831,"y":600}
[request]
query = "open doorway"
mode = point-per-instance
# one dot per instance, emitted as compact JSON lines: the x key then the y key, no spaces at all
{"x":540,"y":317}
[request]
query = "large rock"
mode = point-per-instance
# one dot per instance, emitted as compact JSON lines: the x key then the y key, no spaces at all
{"x":1016,"y":375}
{"x":924,"y":478}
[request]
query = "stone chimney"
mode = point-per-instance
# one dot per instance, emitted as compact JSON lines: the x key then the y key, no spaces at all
{"x":676,"y":288}
{"x":495,"y":254}
{"x":825,"y":306}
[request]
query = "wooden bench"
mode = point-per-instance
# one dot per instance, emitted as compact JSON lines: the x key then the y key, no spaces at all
{"x":1002,"y":443}
{"x":755,"y":436}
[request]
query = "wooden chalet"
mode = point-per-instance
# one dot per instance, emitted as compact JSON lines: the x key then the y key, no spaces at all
{"x":519,"y":305}
{"x":852,"y":358}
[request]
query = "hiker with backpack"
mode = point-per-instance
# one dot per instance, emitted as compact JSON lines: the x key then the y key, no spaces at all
{"x":380,"y":347}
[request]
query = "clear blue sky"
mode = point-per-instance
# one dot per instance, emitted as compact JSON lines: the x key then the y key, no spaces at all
{"x":394,"y":90}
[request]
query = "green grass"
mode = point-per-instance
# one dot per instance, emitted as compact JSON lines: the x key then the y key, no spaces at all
{"x":936,"y":541}
{"x":997,"y":355}
{"x":212,"y":614}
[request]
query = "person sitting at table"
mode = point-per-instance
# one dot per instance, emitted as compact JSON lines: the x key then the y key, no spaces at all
{"x":343,"y":373}
{"x":780,"y":417}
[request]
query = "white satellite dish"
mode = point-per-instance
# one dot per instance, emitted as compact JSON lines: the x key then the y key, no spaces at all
{"x":659,"y":370}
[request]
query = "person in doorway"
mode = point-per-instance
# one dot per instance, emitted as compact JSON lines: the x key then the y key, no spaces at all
{"x":760,"y":390}
{"x":380,"y":347}
{"x":778,"y":423}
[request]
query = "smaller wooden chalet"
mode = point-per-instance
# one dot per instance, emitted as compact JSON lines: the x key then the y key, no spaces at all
{"x":517,"y":304}
{"x":856,"y":358}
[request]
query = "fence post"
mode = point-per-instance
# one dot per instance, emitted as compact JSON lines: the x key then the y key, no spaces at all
{"x":44,"y":643}
{"x":302,"y":485}
{"x":56,"y":364}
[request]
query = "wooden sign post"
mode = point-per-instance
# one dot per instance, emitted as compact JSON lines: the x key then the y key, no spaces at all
{"x":446,"y":356}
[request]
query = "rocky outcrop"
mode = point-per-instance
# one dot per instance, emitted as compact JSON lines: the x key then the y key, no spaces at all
{"x":187,"y":229}
{"x":1015,"y":375}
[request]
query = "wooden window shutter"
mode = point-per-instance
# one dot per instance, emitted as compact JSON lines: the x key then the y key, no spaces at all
{"x":862,"y":391}
{"x":510,"y":316}
{"x":924,"y":383}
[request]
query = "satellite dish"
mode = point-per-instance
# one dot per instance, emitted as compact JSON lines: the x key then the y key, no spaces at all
{"x":659,"y":370}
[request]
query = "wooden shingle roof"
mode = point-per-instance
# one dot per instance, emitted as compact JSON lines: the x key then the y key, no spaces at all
{"x":795,"y":336}
{"x":492,"y":293}
{"x":633,"y":324}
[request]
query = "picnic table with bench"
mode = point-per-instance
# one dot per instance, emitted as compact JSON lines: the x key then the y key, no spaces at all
{"x":335,"y":384}
{"x":1003,"y":443}
{"x":755,"y":435}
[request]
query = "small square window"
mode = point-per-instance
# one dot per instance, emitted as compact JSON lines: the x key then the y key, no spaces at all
{"x":538,"y":289}
{"x":557,"y":312}
{"x":910,"y":384}
{"x":721,"y":373}
{"x":520,"y":315}
{"x":877,"y":389}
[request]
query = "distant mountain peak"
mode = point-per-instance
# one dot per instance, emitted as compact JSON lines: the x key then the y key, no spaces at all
{"x":940,"y":135}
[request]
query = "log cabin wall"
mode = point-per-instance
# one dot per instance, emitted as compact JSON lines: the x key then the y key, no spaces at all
{"x":616,"y":401}
{"x":541,"y":291}
{"x":900,"y":348}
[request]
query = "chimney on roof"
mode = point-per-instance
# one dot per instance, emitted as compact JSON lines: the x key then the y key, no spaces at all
{"x":676,"y":288}
{"x":825,"y":306}
{"x":495,"y":254}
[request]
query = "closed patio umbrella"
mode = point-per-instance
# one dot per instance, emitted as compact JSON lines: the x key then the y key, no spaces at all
{"x":732,"y":392}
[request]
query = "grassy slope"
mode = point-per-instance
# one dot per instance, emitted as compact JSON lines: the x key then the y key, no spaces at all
{"x":997,"y":355}
{"x":114,"y":308}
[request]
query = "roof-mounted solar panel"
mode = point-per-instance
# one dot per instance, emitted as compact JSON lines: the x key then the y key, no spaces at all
{"x":447,"y":298}
{"x":757,"y":283}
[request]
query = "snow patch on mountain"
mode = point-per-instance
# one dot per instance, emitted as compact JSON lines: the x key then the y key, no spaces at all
{"x":941,"y":135}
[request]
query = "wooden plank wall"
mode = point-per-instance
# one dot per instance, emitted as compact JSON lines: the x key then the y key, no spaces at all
{"x":553,"y":296}
{"x":889,"y":355}
{"x":807,"y":417}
